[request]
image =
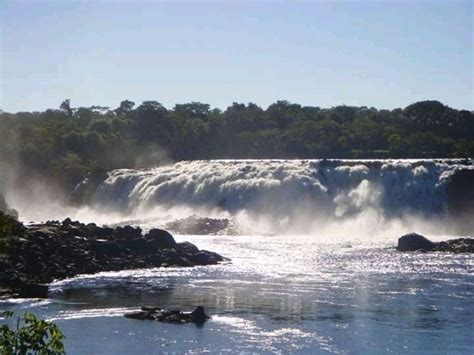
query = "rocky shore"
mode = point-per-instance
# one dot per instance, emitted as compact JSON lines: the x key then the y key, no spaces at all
{"x":417,"y":242}
{"x":33,"y":256}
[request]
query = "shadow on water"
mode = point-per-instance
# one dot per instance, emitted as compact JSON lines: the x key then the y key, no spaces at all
{"x":115,"y":296}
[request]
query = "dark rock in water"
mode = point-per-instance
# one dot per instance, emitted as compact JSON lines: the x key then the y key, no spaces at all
{"x":198,"y":315}
{"x":188,"y":248}
{"x":160,"y":238}
{"x":416,"y":242}
{"x":205,"y":257}
{"x":173,"y":316}
{"x":413,"y":241}
{"x":16,"y":286}
{"x":459,"y":245}
{"x":200,"y":226}
{"x":141,"y":315}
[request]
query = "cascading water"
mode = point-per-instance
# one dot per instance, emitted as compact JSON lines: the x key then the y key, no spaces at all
{"x":289,"y":192}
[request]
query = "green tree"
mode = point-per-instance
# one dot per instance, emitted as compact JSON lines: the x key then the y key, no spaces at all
{"x":31,"y":336}
{"x":66,"y":107}
{"x":125,"y":107}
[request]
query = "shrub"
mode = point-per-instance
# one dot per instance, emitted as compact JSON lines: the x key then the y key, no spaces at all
{"x":31,"y":336}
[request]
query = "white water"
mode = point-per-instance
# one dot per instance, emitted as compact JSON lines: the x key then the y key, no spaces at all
{"x":291,"y":196}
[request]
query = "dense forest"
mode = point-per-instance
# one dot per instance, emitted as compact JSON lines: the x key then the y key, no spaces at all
{"x":67,"y":143}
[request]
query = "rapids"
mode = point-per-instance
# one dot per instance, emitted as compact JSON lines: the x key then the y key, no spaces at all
{"x":288,"y":196}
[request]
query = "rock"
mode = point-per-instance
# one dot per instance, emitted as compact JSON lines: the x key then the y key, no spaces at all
{"x":31,"y":290}
{"x":128,"y":232}
{"x":161,"y":239}
{"x":107,"y":248}
{"x":416,"y":242}
{"x":197,"y":316}
{"x":187,"y":247}
{"x":6,"y":293}
{"x":413,"y":241}
{"x":205,"y":257}
{"x":460,"y":245}
{"x":34,"y":256}
{"x":141,"y":315}
{"x":198,"y":225}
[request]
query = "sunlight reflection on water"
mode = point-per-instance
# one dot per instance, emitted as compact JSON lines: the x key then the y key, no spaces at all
{"x":278,"y":294}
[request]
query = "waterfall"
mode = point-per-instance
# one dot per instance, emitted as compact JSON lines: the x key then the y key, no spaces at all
{"x":286,"y":188}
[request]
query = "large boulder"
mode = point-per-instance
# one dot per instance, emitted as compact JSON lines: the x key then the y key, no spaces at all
{"x":413,"y":241}
{"x":160,"y":239}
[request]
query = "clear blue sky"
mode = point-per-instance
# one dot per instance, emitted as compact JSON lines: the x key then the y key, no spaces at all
{"x":384,"y":54}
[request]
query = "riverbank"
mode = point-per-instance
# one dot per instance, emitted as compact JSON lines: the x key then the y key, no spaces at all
{"x":33,"y":256}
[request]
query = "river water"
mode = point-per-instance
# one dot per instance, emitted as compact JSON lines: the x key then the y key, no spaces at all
{"x":278,"y":294}
{"x":313,"y":263}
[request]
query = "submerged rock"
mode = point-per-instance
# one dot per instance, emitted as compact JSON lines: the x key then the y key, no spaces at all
{"x":202,"y":226}
{"x":416,"y":242}
{"x":413,"y":241}
{"x":169,"y":316}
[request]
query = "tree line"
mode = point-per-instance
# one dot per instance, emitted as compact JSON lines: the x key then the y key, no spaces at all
{"x":67,"y":143}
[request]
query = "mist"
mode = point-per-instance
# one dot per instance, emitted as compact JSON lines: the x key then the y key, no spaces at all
{"x":344,"y":198}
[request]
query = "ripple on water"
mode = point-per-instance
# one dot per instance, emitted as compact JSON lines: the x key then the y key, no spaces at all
{"x":278,"y":295}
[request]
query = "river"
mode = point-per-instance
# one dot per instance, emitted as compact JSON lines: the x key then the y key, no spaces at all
{"x":339,"y":286}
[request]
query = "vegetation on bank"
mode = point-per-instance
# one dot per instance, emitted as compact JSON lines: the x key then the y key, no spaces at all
{"x":68,"y":143}
{"x":30,"y":336}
